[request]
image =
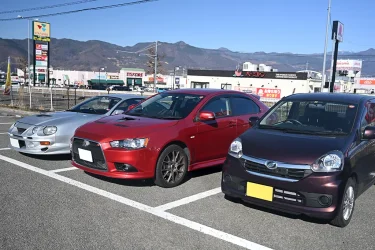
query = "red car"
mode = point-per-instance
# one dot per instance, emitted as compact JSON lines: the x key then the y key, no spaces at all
{"x":165,"y":136}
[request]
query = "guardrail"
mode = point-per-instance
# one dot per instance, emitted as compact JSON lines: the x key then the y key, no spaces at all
{"x":57,"y":99}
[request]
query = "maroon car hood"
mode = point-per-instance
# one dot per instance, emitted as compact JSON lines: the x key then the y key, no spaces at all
{"x":120,"y":127}
{"x":290,"y":148}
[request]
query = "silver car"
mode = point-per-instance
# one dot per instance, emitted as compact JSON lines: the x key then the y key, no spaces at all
{"x":50,"y":133}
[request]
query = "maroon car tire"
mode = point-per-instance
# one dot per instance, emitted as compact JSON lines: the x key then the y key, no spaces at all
{"x":172,"y":167}
{"x":343,"y":218}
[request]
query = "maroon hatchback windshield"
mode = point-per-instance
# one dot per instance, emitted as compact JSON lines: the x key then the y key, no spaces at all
{"x":311,"y":117}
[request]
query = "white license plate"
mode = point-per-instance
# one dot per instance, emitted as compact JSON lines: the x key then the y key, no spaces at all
{"x":14,"y":143}
{"x":85,"y":155}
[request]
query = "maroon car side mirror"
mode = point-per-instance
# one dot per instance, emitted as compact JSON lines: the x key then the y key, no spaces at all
{"x":206,"y":116}
{"x":253,"y":120}
{"x":369,"y":133}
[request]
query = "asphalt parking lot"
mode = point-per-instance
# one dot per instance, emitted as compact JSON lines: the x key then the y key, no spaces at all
{"x":46,"y":203}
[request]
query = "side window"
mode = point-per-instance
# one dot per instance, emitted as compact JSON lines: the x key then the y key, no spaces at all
{"x":220,"y":106}
{"x":125,"y":104}
{"x":369,"y":117}
{"x":244,"y":106}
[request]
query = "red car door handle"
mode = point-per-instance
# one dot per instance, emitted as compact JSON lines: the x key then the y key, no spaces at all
{"x":232,"y":123}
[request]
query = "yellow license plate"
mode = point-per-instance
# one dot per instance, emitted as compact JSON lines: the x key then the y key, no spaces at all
{"x":259,"y":191}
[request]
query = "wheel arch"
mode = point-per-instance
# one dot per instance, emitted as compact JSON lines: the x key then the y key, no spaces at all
{"x":178,"y":143}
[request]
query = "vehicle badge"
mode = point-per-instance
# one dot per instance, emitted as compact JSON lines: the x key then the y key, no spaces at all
{"x":85,"y":143}
{"x":271,"y":165}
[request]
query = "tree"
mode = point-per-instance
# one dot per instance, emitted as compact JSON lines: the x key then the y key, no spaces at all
{"x":151,"y":62}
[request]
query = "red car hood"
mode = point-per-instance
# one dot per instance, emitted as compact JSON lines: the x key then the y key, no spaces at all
{"x":121,"y":127}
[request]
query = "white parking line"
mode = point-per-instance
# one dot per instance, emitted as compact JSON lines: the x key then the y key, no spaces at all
{"x":189,"y":199}
{"x":63,"y":169}
{"x":2,"y":149}
{"x":6,"y":123}
{"x":3,"y":133}
{"x":165,"y":215}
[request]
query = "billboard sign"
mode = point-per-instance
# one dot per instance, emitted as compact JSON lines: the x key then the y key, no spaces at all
{"x":367,"y":81}
{"x":338,"y":30}
{"x":269,"y":93}
{"x":41,"y":31}
{"x":354,"y":65}
{"x":177,"y":81}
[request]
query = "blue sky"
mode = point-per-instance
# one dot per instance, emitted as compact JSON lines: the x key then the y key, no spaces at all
{"x":296,"y":26}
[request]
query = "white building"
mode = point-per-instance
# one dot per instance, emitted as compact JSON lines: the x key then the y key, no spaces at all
{"x":268,"y":84}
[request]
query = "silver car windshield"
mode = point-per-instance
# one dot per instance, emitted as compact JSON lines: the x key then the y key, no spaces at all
{"x":96,"y":105}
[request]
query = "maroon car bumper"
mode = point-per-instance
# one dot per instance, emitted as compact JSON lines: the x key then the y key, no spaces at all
{"x":316,"y":195}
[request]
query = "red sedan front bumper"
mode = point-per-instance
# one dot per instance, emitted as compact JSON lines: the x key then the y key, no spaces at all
{"x":102,"y":159}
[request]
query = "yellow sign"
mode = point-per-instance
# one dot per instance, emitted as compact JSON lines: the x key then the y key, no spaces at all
{"x":8,"y":83}
{"x":41,"y":31}
{"x":259,"y":191}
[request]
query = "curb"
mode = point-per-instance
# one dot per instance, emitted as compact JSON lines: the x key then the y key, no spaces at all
{"x":16,"y":112}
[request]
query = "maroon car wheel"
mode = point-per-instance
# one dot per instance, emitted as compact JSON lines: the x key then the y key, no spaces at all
{"x":171,"y":167}
{"x":346,"y":209}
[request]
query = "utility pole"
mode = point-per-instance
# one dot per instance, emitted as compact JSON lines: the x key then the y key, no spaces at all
{"x":156,"y":65}
{"x":325,"y":45}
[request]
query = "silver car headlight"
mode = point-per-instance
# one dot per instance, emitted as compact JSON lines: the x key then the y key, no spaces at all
{"x":35,"y":130}
{"x":49,"y":130}
{"x":136,"y":143}
{"x":330,"y":162}
{"x":235,"y":148}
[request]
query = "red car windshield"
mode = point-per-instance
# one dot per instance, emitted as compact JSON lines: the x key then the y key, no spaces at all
{"x":171,"y":106}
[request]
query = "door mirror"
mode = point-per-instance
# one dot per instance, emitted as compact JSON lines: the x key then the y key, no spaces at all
{"x":131,"y":107}
{"x":117,"y":112}
{"x":253,"y":120}
{"x":206,"y":116}
{"x":369,"y":133}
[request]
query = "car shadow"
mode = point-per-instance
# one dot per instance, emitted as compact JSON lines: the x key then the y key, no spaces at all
{"x":150,"y":182}
{"x":66,"y":157}
{"x":278,"y":212}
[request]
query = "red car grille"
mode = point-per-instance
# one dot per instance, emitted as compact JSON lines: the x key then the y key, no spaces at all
{"x":99,"y":161}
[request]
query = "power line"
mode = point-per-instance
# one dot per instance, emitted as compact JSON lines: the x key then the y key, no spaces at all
{"x":47,"y":7}
{"x":80,"y":10}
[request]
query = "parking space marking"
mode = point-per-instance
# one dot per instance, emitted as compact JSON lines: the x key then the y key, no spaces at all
{"x":3,"y":133}
{"x":189,"y":199}
{"x":63,"y":170}
{"x":2,"y":149}
{"x":162,"y":214}
{"x":6,"y":123}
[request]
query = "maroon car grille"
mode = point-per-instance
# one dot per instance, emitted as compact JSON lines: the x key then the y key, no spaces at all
{"x":96,"y":151}
{"x":289,"y":173}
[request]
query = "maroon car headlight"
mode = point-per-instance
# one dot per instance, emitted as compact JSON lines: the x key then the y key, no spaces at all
{"x":330,"y":162}
{"x":136,"y":143}
{"x":235,"y":148}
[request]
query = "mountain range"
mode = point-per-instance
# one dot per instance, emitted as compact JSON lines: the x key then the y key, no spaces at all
{"x":91,"y":55}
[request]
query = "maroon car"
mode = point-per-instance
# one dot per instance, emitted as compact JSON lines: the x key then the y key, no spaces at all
{"x":310,"y":154}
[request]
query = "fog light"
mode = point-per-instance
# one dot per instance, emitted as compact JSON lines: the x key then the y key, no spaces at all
{"x":45,"y":143}
{"x":30,"y":144}
{"x":125,"y":167}
{"x":324,"y":200}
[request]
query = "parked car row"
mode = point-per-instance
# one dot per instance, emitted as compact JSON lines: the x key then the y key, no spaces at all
{"x":309,"y":154}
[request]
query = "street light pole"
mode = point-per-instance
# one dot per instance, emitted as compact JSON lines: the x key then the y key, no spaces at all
{"x":325,"y":45}
{"x":156,"y":65}
{"x":28,"y":61}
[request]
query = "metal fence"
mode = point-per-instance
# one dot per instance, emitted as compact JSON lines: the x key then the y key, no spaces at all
{"x":57,"y":99}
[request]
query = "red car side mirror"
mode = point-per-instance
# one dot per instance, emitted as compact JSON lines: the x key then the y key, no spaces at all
{"x":206,"y":116}
{"x":132,"y":106}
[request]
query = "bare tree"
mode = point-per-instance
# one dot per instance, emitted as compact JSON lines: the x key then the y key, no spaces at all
{"x":151,"y":63}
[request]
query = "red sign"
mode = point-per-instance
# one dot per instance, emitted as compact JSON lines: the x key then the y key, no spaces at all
{"x":38,"y":46}
{"x":269,"y":93}
{"x":41,"y":58}
{"x":255,"y":74}
{"x":367,"y":81}
{"x":134,"y":74}
{"x":41,"y":70}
